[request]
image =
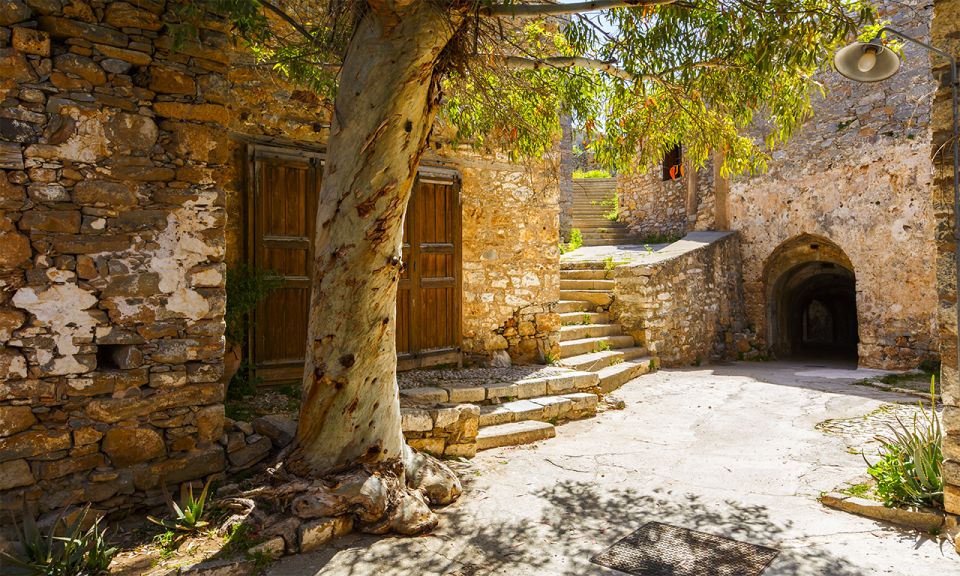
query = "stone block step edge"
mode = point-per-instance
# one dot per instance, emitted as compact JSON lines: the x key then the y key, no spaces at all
{"x":551,"y":409}
{"x":560,"y":383}
{"x":514,"y":434}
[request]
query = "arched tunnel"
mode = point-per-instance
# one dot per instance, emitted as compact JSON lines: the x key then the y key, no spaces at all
{"x":812,"y":303}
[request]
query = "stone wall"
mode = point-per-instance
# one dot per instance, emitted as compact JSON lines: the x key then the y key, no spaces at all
{"x":945,"y":34}
{"x":511,"y":270}
{"x":859,"y":175}
{"x":121,"y":187}
{"x":683,"y":303}
{"x":112,"y":301}
{"x":653,"y":207}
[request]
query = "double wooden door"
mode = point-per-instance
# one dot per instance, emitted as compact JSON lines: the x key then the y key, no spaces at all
{"x":281,"y":213}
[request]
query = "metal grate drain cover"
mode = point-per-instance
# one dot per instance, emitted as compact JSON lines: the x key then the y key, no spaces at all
{"x":663,"y":550}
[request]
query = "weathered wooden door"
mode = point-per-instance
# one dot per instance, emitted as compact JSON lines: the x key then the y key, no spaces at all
{"x":281,"y":213}
{"x":428,"y":296}
{"x":286,"y":185}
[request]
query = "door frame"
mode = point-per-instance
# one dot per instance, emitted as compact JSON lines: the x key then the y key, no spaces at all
{"x":445,"y":177}
{"x":426,"y":172}
{"x":255,"y":152}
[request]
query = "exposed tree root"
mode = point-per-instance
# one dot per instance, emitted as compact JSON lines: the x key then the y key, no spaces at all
{"x":380,"y":498}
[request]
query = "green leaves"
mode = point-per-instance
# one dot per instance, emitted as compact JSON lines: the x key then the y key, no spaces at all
{"x":66,"y":550}
{"x":247,"y":286}
{"x":908,"y":472}
{"x":189,"y":517}
{"x":719,"y":76}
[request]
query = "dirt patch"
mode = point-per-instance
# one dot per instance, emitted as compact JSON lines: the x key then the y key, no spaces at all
{"x":469,"y":377}
{"x":284,"y":401}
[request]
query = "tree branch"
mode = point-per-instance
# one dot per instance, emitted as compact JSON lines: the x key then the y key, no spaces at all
{"x":289,"y":20}
{"x":535,"y":10}
{"x":519,"y":63}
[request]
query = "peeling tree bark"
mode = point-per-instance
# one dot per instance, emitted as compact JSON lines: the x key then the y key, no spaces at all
{"x":350,"y":414}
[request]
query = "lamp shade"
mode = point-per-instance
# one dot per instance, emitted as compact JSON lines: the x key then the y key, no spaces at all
{"x":867,"y":61}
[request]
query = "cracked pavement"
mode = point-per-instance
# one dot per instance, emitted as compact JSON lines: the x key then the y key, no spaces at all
{"x":732,"y":450}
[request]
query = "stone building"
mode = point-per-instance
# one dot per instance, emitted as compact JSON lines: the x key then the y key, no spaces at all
{"x":837,"y":237}
{"x":131,"y":173}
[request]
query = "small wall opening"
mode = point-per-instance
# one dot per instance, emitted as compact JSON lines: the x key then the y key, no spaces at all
{"x":811,"y":301}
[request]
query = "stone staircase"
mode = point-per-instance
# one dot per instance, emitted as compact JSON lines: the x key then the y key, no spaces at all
{"x":588,"y":213}
{"x":596,"y":358}
{"x":589,"y":341}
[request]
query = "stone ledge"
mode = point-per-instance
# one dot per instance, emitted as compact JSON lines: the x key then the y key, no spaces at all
{"x":925,"y":520}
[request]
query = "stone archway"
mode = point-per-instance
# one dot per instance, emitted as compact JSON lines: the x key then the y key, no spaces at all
{"x":811,"y":299}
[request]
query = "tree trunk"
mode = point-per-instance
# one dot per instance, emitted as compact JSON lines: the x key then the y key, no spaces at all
{"x":350,"y":413}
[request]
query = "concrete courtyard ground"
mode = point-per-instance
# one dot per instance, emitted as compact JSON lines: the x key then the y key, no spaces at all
{"x":731,"y":450}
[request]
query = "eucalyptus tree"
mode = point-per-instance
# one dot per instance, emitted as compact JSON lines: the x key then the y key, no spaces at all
{"x":638,"y":76}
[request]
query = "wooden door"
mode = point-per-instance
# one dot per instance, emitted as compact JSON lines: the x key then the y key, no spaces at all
{"x":428,"y":296}
{"x":282,"y":206}
{"x":286,"y":186}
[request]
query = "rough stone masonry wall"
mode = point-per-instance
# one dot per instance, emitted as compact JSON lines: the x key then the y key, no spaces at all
{"x":511,"y":270}
{"x":858,"y":174}
{"x":111,"y":256}
{"x":684,"y":304}
{"x":945,"y":34}
{"x":653,"y":207}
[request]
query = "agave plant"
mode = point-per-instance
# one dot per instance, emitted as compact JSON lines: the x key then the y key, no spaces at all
{"x":908,"y":472}
{"x":188,"y":517}
{"x":66,"y":550}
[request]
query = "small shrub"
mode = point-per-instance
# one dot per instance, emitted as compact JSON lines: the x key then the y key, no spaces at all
{"x":584,"y":174}
{"x":552,"y":359}
{"x":614,"y":214}
{"x":247,"y":286}
{"x":585,"y":319}
{"x":576,"y":241}
{"x":188,"y":517}
{"x":602,"y":346}
{"x":243,"y":383}
{"x":67,"y":550}
{"x":908,"y":472}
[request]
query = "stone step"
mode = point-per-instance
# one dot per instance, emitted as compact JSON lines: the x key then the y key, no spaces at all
{"x":593,"y":361}
{"x":591,"y":284}
{"x":514,"y":434}
{"x":587,"y":345}
{"x":598,"y":297}
{"x":616,"y":375}
{"x":624,"y":241}
{"x":583,"y":318}
{"x":567,"y":274}
{"x":568,"y":333}
{"x":609,"y":228}
{"x":563,"y":382}
{"x":567,"y":306}
{"x":545,"y":409}
{"x":602,"y":232}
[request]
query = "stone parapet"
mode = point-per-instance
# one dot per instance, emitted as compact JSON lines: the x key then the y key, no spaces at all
{"x":683,"y":303}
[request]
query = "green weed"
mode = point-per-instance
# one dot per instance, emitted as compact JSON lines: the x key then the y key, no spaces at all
{"x":908,"y":472}
{"x":585,"y":174}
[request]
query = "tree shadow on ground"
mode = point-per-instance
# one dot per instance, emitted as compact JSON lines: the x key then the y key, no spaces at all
{"x":570,"y":523}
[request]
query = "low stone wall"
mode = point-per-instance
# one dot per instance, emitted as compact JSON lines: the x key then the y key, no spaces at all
{"x":449,"y":431}
{"x":684,"y":303}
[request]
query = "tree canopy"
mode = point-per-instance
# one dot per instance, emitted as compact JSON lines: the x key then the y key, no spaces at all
{"x":637,"y":77}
